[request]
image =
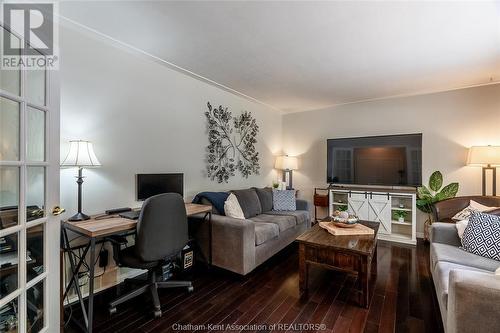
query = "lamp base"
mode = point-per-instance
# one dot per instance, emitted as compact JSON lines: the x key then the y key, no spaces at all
{"x":79,"y":217}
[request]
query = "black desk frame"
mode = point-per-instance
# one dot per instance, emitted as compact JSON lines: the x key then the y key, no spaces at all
{"x":88,"y":314}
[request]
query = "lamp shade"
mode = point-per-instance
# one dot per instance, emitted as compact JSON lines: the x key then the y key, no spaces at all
{"x":81,"y":154}
{"x":286,"y":163}
{"x":484,"y":156}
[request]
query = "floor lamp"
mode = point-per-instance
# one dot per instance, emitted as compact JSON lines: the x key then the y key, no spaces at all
{"x":487,"y":157}
{"x":81,"y":155}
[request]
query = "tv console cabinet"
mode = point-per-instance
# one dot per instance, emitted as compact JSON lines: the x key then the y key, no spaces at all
{"x":394,"y":209}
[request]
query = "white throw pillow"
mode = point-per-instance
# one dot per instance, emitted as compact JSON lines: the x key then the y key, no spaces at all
{"x":497,"y":272}
{"x":232,"y":207}
{"x":461,"y":225}
{"x":474,"y":206}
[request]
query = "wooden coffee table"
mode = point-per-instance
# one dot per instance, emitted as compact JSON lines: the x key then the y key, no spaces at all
{"x":351,"y":254}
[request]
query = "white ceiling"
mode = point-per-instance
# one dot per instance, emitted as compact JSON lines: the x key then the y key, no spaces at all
{"x":307,"y":55}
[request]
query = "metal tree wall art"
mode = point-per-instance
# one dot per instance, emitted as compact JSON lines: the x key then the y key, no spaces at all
{"x":231,"y":144}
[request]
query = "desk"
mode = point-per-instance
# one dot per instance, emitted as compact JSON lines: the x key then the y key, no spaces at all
{"x":97,"y":228}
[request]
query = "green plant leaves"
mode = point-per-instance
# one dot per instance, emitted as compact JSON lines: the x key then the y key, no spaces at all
{"x":436,"y":181}
{"x":424,"y":193}
{"x":449,"y":191}
{"x":427,"y":197}
{"x":424,"y":205}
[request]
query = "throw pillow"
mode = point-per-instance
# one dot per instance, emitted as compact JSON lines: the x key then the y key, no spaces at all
{"x":266,"y":198}
{"x":284,"y":200}
{"x":249,"y":202}
{"x":497,"y":272}
{"x":461,"y":225}
{"x":482,"y":235}
{"x":232,"y":207}
{"x":474,"y":206}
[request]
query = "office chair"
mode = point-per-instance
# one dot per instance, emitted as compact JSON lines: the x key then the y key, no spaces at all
{"x":161,"y":234}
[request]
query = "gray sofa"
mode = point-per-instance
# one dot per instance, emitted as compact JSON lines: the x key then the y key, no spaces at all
{"x":242,"y":245}
{"x":468,"y":291}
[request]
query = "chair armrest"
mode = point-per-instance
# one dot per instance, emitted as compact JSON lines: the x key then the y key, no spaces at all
{"x":233,"y":244}
{"x":473,"y":302}
{"x":302,"y":204}
{"x":445,"y":233}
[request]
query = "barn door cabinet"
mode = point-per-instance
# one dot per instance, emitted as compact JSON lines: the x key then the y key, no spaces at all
{"x":394,"y":209}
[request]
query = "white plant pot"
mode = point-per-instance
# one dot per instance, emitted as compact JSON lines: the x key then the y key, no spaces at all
{"x":401,"y":219}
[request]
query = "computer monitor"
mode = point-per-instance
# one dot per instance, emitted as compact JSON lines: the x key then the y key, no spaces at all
{"x":153,"y":184}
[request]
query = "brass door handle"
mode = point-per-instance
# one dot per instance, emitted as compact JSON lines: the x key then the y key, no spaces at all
{"x":57,"y":210}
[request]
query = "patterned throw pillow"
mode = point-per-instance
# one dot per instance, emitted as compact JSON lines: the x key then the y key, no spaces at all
{"x":284,"y":200}
{"x":482,"y":235}
{"x":474,"y":206}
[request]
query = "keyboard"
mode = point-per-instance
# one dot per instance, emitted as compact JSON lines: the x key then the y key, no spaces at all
{"x":132,"y":215}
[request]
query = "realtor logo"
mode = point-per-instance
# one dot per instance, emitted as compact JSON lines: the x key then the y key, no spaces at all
{"x":32,"y":41}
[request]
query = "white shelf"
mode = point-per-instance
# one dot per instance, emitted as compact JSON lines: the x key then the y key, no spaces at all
{"x":401,"y":223}
{"x":339,"y":204}
{"x":400,"y":236}
{"x":403,"y":209}
{"x":109,"y":279}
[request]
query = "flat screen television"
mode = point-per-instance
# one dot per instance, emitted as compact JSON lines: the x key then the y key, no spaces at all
{"x":392,"y":160}
{"x":153,"y":184}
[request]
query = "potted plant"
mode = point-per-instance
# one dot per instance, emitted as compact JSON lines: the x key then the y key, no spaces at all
{"x":276,"y":185}
{"x":342,"y":208}
{"x":434,"y":193}
{"x":400,"y":215}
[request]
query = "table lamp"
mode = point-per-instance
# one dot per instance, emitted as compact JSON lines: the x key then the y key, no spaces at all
{"x":487,"y":157}
{"x":287,"y":164}
{"x":81,"y":155}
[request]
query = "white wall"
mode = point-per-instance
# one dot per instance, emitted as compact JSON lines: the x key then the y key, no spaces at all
{"x":450,"y":122}
{"x":143,"y":118}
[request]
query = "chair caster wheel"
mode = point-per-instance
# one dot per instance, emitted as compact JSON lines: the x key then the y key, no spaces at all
{"x":190,"y":289}
{"x":157,"y":313}
{"x":112,"y":311}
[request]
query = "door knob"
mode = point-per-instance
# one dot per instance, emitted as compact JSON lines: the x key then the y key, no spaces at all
{"x":57,"y":210}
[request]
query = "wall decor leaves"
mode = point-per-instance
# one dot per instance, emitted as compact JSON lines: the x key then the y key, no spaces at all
{"x":231,"y":144}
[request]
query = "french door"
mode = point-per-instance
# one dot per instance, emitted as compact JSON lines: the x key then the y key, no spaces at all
{"x":29,"y":189}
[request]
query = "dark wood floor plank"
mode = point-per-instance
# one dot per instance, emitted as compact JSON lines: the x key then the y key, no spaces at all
{"x":403,"y":299}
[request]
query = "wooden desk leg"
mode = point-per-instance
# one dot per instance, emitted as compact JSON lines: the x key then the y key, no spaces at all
{"x":364,"y":279}
{"x":303,"y":272}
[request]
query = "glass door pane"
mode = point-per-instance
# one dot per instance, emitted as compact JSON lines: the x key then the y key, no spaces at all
{"x":9,"y":130}
{"x":35,"y":253}
{"x":9,"y":263}
{"x":35,"y":86}
{"x":10,"y":80}
{"x":35,"y":128}
{"x":34,"y":308}
{"x":9,"y":196}
{"x":35,"y":194}
{"x":10,"y":317}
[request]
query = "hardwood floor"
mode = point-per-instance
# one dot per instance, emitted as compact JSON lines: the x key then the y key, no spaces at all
{"x":403,"y":299}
